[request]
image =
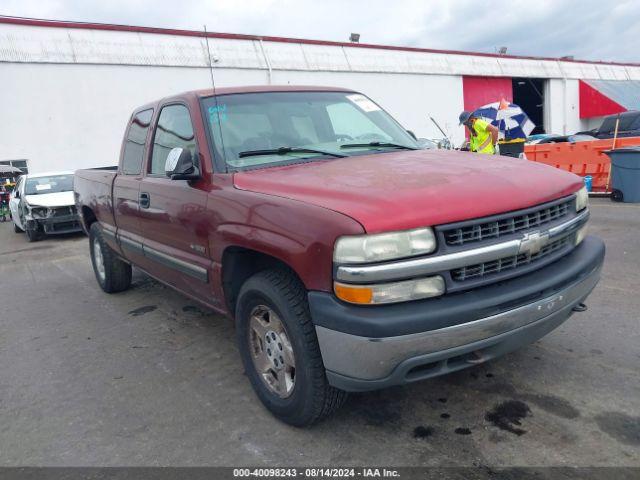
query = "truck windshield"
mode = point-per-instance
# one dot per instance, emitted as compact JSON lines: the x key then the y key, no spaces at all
{"x":276,"y":128}
{"x":52,"y":184}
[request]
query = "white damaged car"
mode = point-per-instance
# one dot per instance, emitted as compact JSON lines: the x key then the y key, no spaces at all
{"x":43,"y":204}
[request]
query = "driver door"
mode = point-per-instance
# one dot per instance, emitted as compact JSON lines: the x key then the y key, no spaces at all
{"x":173,"y":216}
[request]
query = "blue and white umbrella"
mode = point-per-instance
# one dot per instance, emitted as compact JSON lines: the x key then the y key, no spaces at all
{"x":508,"y":117}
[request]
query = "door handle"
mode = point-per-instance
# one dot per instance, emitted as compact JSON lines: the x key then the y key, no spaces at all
{"x":145,"y":200}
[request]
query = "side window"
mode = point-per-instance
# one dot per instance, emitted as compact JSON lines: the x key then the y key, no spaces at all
{"x":134,"y":148}
{"x":174,"y":130}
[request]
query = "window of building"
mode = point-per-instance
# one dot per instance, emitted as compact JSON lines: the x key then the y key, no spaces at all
{"x":21,"y":164}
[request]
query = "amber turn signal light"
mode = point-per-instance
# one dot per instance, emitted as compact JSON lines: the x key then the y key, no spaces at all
{"x":353,"y":293}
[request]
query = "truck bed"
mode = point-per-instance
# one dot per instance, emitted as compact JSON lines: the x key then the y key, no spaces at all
{"x":93,"y":189}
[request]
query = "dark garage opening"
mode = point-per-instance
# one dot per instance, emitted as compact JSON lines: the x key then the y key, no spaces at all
{"x":528,"y":93}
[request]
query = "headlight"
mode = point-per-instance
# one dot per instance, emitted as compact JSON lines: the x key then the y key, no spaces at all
{"x":38,"y":212}
{"x":390,"y":292}
{"x":384,"y":246}
{"x":582,"y":199}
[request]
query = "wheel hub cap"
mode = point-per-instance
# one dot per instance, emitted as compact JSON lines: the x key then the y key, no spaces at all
{"x":271,"y":351}
{"x":274,"y":346}
{"x":98,"y":259}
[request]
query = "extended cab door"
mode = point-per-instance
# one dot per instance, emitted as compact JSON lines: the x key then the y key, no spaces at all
{"x":126,"y":187}
{"x":173,"y":217}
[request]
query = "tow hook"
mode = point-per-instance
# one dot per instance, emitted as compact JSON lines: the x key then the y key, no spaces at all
{"x":581,"y":307}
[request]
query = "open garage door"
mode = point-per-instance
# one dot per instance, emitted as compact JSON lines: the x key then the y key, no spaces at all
{"x":528,"y":93}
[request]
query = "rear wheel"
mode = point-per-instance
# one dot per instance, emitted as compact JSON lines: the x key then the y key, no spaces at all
{"x":113,"y":274}
{"x":280,"y":351}
{"x":16,"y":228}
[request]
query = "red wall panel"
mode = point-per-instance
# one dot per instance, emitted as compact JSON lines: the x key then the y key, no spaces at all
{"x":595,"y":104}
{"x":478,"y":91}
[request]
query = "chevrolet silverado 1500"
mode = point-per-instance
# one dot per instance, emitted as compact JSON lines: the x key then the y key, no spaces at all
{"x":349,"y":259}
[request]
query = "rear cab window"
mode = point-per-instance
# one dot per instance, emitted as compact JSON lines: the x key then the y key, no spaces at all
{"x":134,"y":145}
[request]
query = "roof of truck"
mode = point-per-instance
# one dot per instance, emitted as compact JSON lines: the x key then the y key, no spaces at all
{"x":267,"y":88}
{"x":208,"y":92}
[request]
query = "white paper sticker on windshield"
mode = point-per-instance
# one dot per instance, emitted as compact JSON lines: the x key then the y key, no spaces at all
{"x":43,"y":186}
{"x":363,"y":102}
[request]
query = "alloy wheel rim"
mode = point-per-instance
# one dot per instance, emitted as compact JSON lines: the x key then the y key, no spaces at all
{"x":98,"y":259}
{"x":271,"y":351}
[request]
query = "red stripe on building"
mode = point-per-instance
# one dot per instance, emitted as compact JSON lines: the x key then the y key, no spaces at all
{"x":479,"y":91}
{"x":594,"y":103}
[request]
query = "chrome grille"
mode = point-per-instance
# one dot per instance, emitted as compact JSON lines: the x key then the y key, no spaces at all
{"x":505,"y":226}
{"x":508,"y":263}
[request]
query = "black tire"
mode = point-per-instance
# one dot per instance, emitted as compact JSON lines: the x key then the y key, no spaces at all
{"x":616,"y":196}
{"x":117,"y":273}
{"x":33,"y":234}
{"x":16,"y":228}
{"x":312,"y":398}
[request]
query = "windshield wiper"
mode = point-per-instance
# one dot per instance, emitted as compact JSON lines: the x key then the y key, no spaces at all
{"x":377,"y":144}
{"x":285,"y":150}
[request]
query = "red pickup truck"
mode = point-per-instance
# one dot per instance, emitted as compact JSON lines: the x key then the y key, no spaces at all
{"x":349,"y":259}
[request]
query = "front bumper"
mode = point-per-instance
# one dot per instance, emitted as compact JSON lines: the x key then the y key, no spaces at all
{"x":55,"y":225}
{"x":366,"y":348}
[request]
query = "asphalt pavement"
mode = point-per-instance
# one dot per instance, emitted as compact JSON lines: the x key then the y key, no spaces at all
{"x":148,"y":377}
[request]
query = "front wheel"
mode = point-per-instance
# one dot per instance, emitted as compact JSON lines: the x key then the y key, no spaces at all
{"x":33,"y":233}
{"x":113,"y":275}
{"x":280,"y":351}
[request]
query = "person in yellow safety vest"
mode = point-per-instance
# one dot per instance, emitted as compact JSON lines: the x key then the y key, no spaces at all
{"x":482,"y":135}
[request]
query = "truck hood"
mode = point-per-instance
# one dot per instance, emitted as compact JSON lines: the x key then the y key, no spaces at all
{"x":409,"y":189}
{"x":58,"y":199}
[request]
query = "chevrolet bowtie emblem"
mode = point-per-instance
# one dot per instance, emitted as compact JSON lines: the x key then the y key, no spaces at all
{"x":533,"y":242}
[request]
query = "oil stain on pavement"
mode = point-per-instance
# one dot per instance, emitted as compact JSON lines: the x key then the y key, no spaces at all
{"x":142,"y":310}
{"x":624,"y":428}
{"x":194,"y":310}
{"x":422,"y":432}
{"x":555,"y":405}
{"x":507,"y":414}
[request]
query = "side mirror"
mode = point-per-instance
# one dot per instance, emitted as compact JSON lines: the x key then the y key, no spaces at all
{"x":180,"y":165}
{"x":17,"y":194}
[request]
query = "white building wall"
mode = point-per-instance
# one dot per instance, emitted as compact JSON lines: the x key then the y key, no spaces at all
{"x":411,"y":99}
{"x":69,"y":116}
{"x":67,"y":92}
{"x":73,"y":116}
{"x":564,"y":107}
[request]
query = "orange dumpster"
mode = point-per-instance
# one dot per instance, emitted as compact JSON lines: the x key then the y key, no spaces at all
{"x":581,"y":158}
